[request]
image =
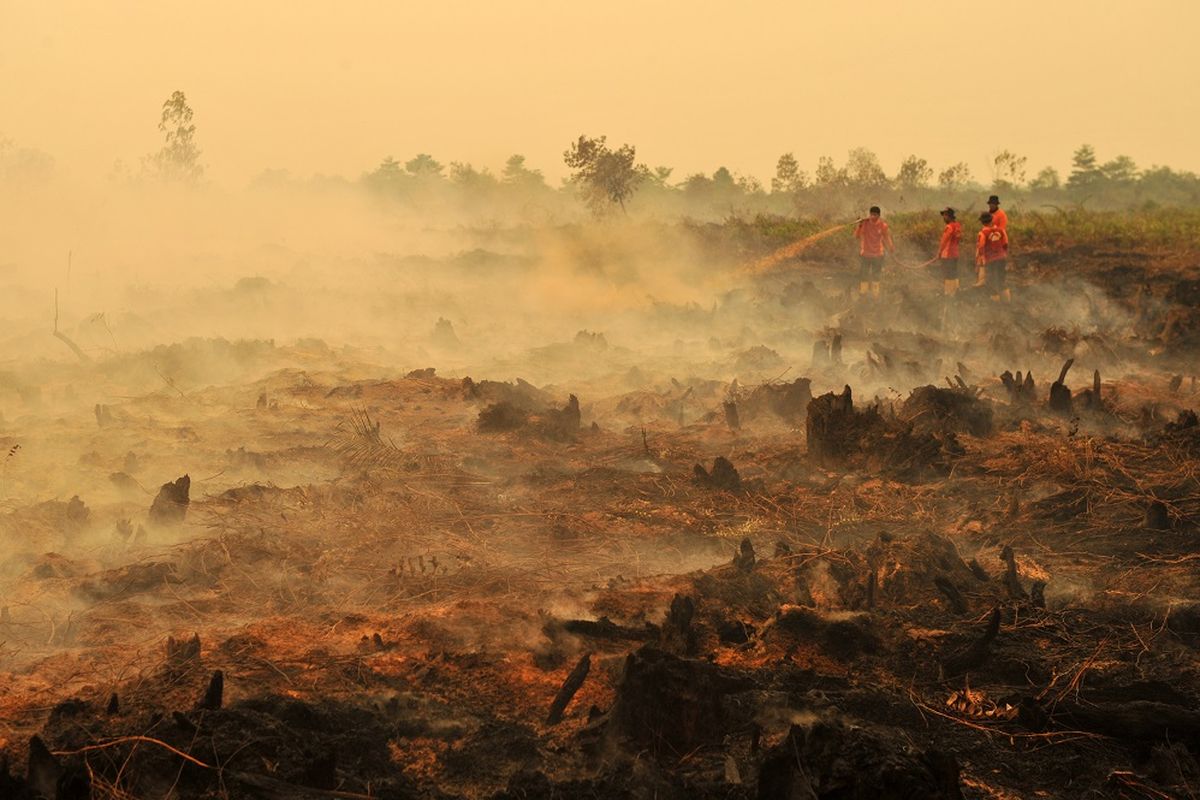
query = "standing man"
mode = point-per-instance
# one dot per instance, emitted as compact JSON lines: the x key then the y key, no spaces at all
{"x":999,"y":218}
{"x":991,"y":255}
{"x":948,"y":252}
{"x":873,"y":236}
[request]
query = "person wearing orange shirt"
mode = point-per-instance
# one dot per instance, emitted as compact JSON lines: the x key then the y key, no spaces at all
{"x":873,"y":238}
{"x":991,"y":254}
{"x":948,"y":252}
{"x":999,"y":218}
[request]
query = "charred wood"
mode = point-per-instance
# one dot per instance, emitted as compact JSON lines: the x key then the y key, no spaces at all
{"x":570,"y":686}
{"x":975,"y":654}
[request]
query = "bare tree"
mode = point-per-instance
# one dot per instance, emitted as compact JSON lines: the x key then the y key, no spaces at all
{"x":1008,"y":170}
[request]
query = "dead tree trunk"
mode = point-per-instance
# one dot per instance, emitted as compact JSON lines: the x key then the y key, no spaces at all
{"x":830,"y":417}
{"x":1060,"y":395}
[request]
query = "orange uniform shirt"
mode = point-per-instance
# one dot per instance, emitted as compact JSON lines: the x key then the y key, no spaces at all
{"x":872,"y":236}
{"x":951,"y":236}
{"x":1000,"y":219}
{"x":992,"y":245}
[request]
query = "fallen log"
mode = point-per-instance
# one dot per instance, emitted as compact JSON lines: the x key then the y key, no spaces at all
{"x":1143,"y":722}
{"x":830,"y":759}
{"x":952,"y":595}
{"x":570,"y":686}
{"x":605,"y":628}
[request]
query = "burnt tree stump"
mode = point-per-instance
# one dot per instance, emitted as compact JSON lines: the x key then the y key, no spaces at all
{"x":677,"y":634}
{"x":723,"y":476}
{"x":171,"y":504}
{"x":1060,"y":394}
{"x":977,"y":652}
{"x":830,"y":427}
{"x":668,"y":705}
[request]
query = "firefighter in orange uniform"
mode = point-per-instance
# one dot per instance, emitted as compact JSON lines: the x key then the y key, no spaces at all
{"x":873,"y":237}
{"x":948,"y":252}
{"x":999,"y":218}
{"x":991,"y":255}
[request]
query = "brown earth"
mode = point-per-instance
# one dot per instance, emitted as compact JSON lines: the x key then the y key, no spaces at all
{"x":969,"y":595}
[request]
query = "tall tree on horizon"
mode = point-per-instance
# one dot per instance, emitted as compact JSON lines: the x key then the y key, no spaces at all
{"x":179,"y":158}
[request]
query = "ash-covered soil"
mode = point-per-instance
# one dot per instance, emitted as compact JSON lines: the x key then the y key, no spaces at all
{"x":708,"y":569}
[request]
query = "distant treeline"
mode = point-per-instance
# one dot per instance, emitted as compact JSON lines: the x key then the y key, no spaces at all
{"x":610,"y":180}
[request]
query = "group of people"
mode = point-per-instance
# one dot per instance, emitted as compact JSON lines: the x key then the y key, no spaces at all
{"x":991,"y":251}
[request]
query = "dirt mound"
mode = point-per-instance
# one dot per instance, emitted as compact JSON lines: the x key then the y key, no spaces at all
{"x":919,"y":569}
{"x":501,"y":417}
{"x":834,"y":428}
{"x":788,"y":401}
{"x":841,"y":436}
{"x":66,"y":517}
{"x":128,"y":580}
{"x":931,"y":409}
{"x":1184,"y":432}
{"x":669,"y":705}
{"x":843,"y":636}
{"x":833,"y":760}
{"x":723,"y":475}
{"x":758,"y":359}
{"x":522,"y":394}
{"x":311,"y":746}
{"x":556,"y":424}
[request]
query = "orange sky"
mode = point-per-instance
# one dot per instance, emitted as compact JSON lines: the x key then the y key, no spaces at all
{"x":324,"y":87}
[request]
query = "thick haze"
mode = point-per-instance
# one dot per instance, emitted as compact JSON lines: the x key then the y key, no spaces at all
{"x":314,"y":88}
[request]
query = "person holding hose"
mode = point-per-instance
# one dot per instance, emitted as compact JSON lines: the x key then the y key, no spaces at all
{"x":991,"y":255}
{"x":873,"y":238}
{"x":948,"y":252}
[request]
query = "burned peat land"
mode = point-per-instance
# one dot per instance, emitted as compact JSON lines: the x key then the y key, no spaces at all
{"x":490,"y":527}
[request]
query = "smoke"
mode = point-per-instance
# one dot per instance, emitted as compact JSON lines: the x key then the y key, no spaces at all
{"x":178,"y":308}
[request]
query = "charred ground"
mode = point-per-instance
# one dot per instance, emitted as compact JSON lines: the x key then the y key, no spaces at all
{"x":648,"y":572}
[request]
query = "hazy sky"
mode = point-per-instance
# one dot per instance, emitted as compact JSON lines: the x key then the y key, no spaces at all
{"x":334,"y":87}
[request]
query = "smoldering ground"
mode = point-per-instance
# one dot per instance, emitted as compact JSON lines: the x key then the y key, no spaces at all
{"x":365,"y":519}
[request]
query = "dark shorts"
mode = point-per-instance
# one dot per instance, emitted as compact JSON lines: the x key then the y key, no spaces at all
{"x":997,"y":275}
{"x":949,"y":268}
{"x":870,"y":268}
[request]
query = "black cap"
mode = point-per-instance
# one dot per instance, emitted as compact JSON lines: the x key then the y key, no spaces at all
{"x":948,"y":211}
{"x":994,"y":199}
{"x":985,"y":218}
